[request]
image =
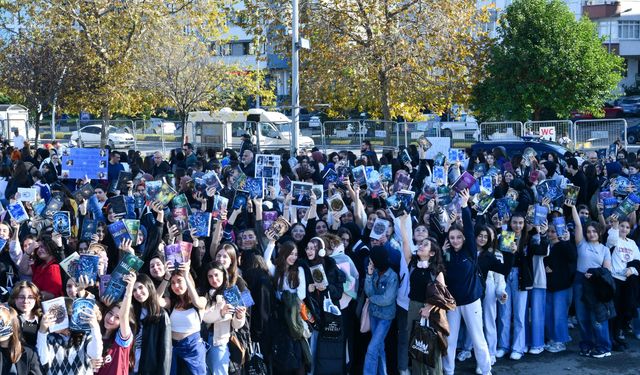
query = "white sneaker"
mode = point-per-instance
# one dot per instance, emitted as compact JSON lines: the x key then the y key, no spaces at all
{"x":500,"y":353}
{"x":555,"y":347}
{"x":493,"y":360}
{"x":515,"y":356}
{"x":536,"y":351}
{"x":478,"y":371}
{"x":464,"y":355}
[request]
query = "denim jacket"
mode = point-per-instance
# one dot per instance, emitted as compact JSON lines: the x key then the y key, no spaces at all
{"x":382,"y":292}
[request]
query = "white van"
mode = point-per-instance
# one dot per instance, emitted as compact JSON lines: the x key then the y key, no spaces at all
{"x":224,"y":128}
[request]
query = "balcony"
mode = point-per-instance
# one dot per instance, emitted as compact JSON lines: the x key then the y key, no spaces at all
{"x":596,"y":9}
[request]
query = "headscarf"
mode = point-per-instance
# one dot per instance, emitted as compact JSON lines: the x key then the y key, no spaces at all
{"x":380,"y":258}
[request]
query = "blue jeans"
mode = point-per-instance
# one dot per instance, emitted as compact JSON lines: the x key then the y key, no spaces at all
{"x":191,"y":352}
{"x":217,"y":358}
{"x":517,"y":305}
{"x":375,"y":361}
{"x":556,"y":315}
{"x":537,"y":300}
{"x":594,"y":335}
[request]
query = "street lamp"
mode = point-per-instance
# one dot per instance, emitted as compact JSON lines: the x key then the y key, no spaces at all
{"x":611,"y":21}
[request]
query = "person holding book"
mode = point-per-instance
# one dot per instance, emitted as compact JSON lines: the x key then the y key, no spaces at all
{"x":221,"y":317}
{"x":529,"y":241}
{"x":425,"y":267}
{"x":25,"y":299}
{"x":66,"y":351}
{"x":117,"y":334}
{"x":461,"y":261}
{"x":560,"y":267}
{"x":186,"y":308}
{"x":45,"y":270}
{"x":592,"y":254}
{"x":153,"y":337}
{"x":15,"y":357}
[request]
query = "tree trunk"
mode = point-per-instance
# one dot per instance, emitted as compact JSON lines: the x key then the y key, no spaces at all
{"x":384,"y":95}
{"x":537,"y":113}
{"x":36,"y":125}
{"x":183,"y":119}
{"x":104,"y":134}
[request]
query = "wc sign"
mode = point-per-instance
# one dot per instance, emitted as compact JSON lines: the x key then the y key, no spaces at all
{"x":548,"y":133}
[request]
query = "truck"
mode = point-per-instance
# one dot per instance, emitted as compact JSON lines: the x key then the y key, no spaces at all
{"x":15,"y":117}
{"x":223,"y":129}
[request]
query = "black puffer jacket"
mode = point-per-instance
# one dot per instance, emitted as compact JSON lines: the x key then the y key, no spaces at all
{"x":598,"y":293}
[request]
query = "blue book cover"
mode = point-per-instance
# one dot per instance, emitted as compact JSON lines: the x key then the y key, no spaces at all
{"x":219,"y":203}
{"x":475,"y":188}
{"x":255,"y":187}
{"x":80,"y":307}
{"x":153,"y":189}
{"x":560,"y":225}
{"x":240,"y":199}
{"x":130,"y":203}
{"x":119,"y":232}
{"x":439,"y":159}
{"x":386,"y":173}
{"x":201,"y":222}
{"x":233,"y":296}
{"x":116,"y":286}
{"x":368,"y":169}
{"x":200,"y":185}
{"x":139,"y":201}
{"x":17,"y":212}
{"x":62,"y":223}
{"x":89,"y":227}
{"x":439,"y":175}
{"x":453,"y":155}
{"x":38,"y":207}
{"x":331,"y":177}
{"x":211,"y":179}
{"x":359,"y":175}
{"x":87,"y":265}
{"x":54,"y":205}
{"x":486,"y":184}
{"x":540,"y":214}
{"x":504,"y":211}
{"x":635,"y":198}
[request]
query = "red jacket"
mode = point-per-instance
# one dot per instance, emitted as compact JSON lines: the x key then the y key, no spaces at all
{"x":47,"y":277}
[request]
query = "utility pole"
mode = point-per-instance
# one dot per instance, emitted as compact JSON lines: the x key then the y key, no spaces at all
{"x":295,"y":84}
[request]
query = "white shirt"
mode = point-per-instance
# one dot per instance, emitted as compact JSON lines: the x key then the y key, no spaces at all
{"x":18,"y":141}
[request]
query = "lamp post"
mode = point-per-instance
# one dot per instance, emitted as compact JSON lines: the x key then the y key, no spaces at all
{"x":611,"y":21}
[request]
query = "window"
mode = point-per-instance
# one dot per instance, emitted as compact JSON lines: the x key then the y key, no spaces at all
{"x":629,"y":29}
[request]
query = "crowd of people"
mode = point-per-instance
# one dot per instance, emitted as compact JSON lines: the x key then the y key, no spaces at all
{"x":490,"y":257}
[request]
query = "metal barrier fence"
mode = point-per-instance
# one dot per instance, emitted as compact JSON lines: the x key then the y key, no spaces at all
{"x":500,"y":130}
{"x":382,"y":134}
{"x":410,"y":132}
{"x":553,"y":130}
{"x":597,"y":134}
{"x":343,"y":134}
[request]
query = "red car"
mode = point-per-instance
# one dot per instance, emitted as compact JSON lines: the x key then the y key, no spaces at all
{"x":610,"y":111}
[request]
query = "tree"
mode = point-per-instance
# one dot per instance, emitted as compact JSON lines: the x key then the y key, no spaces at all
{"x":179,"y":68}
{"x":110,"y":34}
{"x":389,"y":58}
{"x":545,"y":60}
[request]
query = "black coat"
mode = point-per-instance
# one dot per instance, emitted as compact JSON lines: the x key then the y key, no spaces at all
{"x":28,"y":363}
{"x":524,"y":262}
{"x":562,"y":262}
{"x":598,"y":293}
{"x":155,"y":354}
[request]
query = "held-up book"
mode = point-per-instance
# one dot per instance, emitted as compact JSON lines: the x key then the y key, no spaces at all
{"x":318,"y":275}
{"x":180,"y":218}
{"x":403,"y":181}
{"x":374,"y":184}
{"x":301,"y":192}
{"x":178,"y":253}
{"x":58,"y":308}
{"x":268,"y":218}
{"x":507,"y":239}
{"x":94,"y":207}
{"x":123,"y":178}
{"x":625,"y":208}
{"x":118,"y":205}
{"x":483,"y":203}
{"x":504,"y":209}
{"x":379,"y":228}
{"x":330,"y":177}
{"x":133,"y":226}
{"x":80,"y":307}
{"x":453,"y":155}
{"x":219,"y":203}
{"x":181,"y":201}
{"x":233,"y":296}
{"x":119,"y":232}
{"x":540,"y":214}
{"x":465,"y":181}
{"x":152,"y":189}
{"x":241,"y":199}
{"x":166,"y":194}
{"x":405,"y":157}
{"x":255,"y":187}
{"x":54,"y":205}
{"x":486,"y":185}
{"x":386,"y":173}
{"x":439,"y":175}
{"x":318,"y":191}
{"x":69,"y":263}
{"x":28,"y":194}
{"x":336,"y":204}
{"x":62,"y":223}
{"x":87,"y":265}
{"x":17,"y":212}
{"x":201,"y":222}
{"x":571,"y":193}
{"x":278,"y":228}
{"x":84,"y":192}
{"x":560,"y":225}
{"x":211,"y":180}
{"x":116,"y":286}
{"x":359,"y":175}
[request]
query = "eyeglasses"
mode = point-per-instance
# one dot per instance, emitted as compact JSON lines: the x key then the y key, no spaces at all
{"x":26,"y":298}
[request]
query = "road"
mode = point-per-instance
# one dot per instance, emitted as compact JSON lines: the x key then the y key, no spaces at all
{"x":565,"y":363}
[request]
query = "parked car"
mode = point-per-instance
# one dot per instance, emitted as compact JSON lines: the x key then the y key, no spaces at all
{"x":158,"y":125}
{"x":90,"y":136}
{"x":630,"y":105}
{"x":610,"y":111}
{"x":633,"y":134}
{"x":516,"y":146}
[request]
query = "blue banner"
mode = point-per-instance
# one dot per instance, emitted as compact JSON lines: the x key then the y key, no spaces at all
{"x":81,"y":162}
